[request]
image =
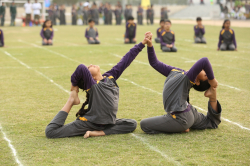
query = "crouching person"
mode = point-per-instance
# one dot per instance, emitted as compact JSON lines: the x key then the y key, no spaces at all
{"x":91,"y":33}
{"x":199,"y":31}
{"x":47,"y":33}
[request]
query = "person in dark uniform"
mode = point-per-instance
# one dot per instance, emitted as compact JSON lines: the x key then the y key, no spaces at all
{"x":158,"y":31}
{"x":62,"y":15}
{"x":152,"y":14}
{"x":2,"y":13}
{"x":73,"y":15}
{"x":118,"y":15}
{"x":130,"y":31}
{"x":148,"y":12}
{"x":181,"y":115}
{"x":106,"y":13}
{"x":86,"y":14}
{"x":166,"y":13}
{"x":130,"y":10}
{"x":126,"y":14}
{"x":47,"y":33}
{"x":102,"y":98}
{"x":227,"y":39}
{"x":199,"y":31}
{"x":91,"y":33}
{"x":110,"y":15}
{"x":94,"y":14}
{"x":1,"y":39}
{"x":13,"y":13}
{"x":140,"y":15}
{"x":167,"y":38}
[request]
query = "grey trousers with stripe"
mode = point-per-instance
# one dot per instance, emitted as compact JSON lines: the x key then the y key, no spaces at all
{"x":181,"y":122}
{"x":57,"y":129}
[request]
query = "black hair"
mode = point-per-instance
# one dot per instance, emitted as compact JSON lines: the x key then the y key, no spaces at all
{"x":204,"y":85}
{"x":168,"y":21}
{"x":130,"y":18}
{"x":162,"y":20}
{"x":198,"y":19}
{"x":91,"y":20}
{"x":83,"y":111}
{"x":226,"y":20}
{"x":44,"y":24}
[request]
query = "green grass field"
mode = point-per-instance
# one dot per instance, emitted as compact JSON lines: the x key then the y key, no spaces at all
{"x":35,"y":81}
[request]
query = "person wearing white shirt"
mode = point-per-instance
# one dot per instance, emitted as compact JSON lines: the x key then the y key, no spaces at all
{"x":28,"y":10}
{"x":36,"y":11}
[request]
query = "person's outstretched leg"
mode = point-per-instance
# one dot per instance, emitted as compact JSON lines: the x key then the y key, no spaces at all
{"x":122,"y":126}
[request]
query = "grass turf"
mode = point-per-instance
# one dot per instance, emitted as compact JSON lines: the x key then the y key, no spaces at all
{"x":29,"y":100}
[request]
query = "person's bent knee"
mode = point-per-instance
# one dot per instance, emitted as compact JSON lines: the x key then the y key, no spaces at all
{"x":174,"y":49}
{"x":133,"y":125}
{"x":231,"y":47}
{"x":49,"y":132}
{"x":144,"y":127}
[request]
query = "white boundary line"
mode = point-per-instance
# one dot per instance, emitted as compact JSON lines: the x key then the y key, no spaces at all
{"x":155,"y":149}
{"x":13,"y":150}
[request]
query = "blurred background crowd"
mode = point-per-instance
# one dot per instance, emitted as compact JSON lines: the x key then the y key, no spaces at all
{"x":77,"y":12}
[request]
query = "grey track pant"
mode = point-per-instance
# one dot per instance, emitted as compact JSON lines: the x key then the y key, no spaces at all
{"x":157,"y":40}
{"x":181,"y":122}
{"x":166,"y":49}
{"x":200,"y":40}
{"x":45,"y":44}
{"x":224,"y":47}
{"x":94,"y":41}
{"x":57,"y":129}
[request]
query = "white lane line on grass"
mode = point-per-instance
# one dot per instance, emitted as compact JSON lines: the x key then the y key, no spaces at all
{"x":230,"y":86}
{"x":161,"y":94}
{"x":13,"y":150}
{"x":144,"y":141}
{"x":59,"y":86}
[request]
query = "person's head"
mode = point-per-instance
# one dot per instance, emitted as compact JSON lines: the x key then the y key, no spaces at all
{"x":2,"y":3}
{"x":152,"y":6}
{"x":162,"y":23}
{"x":35,"y":1}
{"x":91,"y":23}
{"x":47,"y":24}
{"x":94,"y":71}
{"x":226,"y":24}
{"x":130,"y":19}
{"x":13,"y":3}
{"x":28,"y":1}
{"x":167,"y":25}
{"x":201,"y":82}
{"x":199,"y":20}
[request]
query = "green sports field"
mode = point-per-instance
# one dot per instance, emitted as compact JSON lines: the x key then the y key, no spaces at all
{"x":35,"y":84}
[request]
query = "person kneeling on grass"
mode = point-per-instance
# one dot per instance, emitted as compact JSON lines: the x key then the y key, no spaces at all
{"x":102,"y":98}
{"x":199,"y":31}
{"x":47,"y":33}
{"x":1,"y":38}
{"x":227,"y":39}
{"x":91,"y":33}
{"x":181,"y":116}
{"x":158,"y":31}
{"x":130,"y":31}
{"x":167,"y":38}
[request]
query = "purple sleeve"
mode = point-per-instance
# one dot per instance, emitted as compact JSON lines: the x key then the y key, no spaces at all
{"x":86,"y":34}
{"x":52,"y":35}
{"x":173,"y":39}
{"x":161,"y":39}
{"x":41,"y":34}
{"x":202,"y":64}
{"x":196,"y":31}
{"x":126,"y":33}
{"x":2,"y":38}
{"x":135,"y":31}
{"x":157,"y":65}
{"x":117,"y":70}
{"x":234,"y":40}
{"x":82,"y":76}
{"x":203,"y":30}
{"x":220,"y":39}
{"x":97,"y":33}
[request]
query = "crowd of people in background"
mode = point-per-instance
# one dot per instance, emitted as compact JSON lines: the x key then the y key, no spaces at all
{"x":236,"y":12}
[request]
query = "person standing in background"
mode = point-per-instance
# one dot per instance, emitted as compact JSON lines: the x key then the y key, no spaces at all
{"x":28,"y":9}
{"x":140,"y":15}
{"x":85,"y":14}
{"x":36,"y":11}
{"x":12,"y":13}
{"x":130,"y":13}
{"x":126,"y":13}
{"x":118,"y":14}
{"x":110,"y":14}
{"x":94,"y":14}
{"x":73,"y":15}
{"x":165,"y":11}
{"x":80,"y":12}
{"x":106,"y":10}
{"x":148,"y":15}
{"x":152,"y":14}
{"x":56,"y":13}
{"x":2,"y":13}
{"x":62,"y":15}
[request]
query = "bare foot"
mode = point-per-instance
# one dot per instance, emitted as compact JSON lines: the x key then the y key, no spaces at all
{"x":186,"y":131}
{"x":210,"y":93}
{"x":74,"y":97}
{"x":86,"y":135}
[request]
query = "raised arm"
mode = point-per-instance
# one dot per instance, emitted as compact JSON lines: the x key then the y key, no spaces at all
{"x":118,"y":69}
{"x":202,"y":64}
{"x":82,"y":78}
{"x":41,"y":34}
{"x":157,"y":65}
{"x":203,"y":30}
{"x":52,"y":34}
{"x":196,"y":31}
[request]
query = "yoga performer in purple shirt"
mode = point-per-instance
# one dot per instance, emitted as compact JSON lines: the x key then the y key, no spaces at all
{"x":227,"y":39}
{"x":102,"y":98}
{"x":180,"y":114}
